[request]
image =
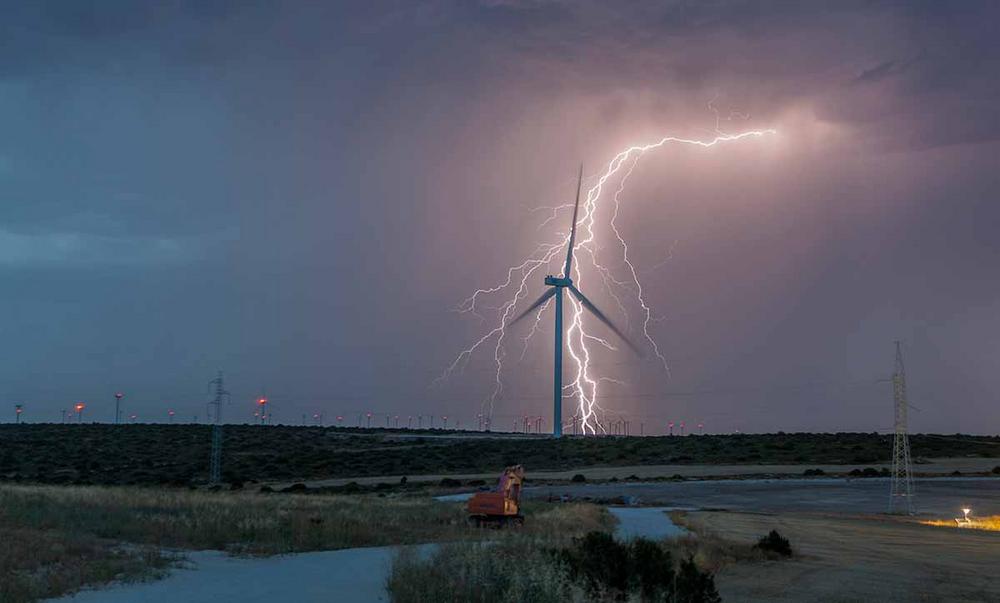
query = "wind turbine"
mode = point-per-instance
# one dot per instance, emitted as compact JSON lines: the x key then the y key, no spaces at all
{"x":556,"y":285}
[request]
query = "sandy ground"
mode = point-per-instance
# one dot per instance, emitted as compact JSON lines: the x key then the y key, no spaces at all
{"x":942,"y":466}
{"x":859,"y":559}
{"x":345,"y":576}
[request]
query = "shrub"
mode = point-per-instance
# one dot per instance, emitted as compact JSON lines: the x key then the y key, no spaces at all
{"x":448,"y":482}
{"x":693,"y":585}
{"x":611,"y":570}
{"x":654,"y":570}
{"x":996,"y":470}
{"x":775,"y":543}
{"x":601,"y":563}
{"x":506,"y":572}
{"x":578,"y":478}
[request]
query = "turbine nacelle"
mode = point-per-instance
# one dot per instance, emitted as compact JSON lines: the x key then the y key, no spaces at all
{"x":558,"y":281}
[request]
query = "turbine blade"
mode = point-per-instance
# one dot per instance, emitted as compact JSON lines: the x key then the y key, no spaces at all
{"x":572,"y":232}
{"x":601,"y":317}
{"x":538,"y":302}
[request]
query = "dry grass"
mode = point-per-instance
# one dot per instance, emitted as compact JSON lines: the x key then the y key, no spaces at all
{"x":711,"y":551}
{"x":36,"y":564}
{"x":510,"y":570}
{"x":256,"y":524}
{"x":841,"y":558}
{"x":57,"y":539}
{"x":511,"y":567}
{"x":517,"y":567}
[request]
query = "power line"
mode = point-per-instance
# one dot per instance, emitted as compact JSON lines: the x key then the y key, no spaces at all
{"x":215,"y":466}
{"x":901,"y":489}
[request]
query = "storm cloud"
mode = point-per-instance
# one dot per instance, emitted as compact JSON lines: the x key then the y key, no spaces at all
{"x":300,"y":194}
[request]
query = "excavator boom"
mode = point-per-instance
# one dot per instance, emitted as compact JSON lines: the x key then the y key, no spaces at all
{"x":501,"y":507}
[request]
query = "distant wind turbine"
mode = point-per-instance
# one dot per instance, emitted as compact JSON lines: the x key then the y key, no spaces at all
{"x":556,"y":284}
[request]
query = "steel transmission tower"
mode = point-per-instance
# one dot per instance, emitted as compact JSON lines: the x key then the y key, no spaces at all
{"x":215,"y":468}
{"x":901,"y":495}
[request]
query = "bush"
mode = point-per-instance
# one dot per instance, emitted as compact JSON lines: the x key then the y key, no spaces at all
{"x":578,"y":478}
{"x":508,"y":572}
{"x":654,"y":570}
{"x":775,"y":543}
{"x":996,"y":470}
{"x":450,"y":483}
{"x":611,"y":570}
{"x":694,"y":585}
{"x":813,"y":472}
{"x":601,"y":563}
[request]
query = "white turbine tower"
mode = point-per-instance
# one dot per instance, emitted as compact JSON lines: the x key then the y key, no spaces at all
{"x":556,"y":284}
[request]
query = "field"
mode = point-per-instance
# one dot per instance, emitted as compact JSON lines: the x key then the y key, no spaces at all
{"x":177,"y":455}
{"x":58,"y":538}
{"x":841,"y":559}
{"x":92,"y":503}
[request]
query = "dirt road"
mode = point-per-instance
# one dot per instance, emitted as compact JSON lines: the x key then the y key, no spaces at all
{"x":942,"y":466}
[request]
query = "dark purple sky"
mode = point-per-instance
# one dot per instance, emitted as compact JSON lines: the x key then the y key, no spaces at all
{"x":301,"y":195}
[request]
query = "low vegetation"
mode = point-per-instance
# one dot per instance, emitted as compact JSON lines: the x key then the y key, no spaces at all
{"x":56,"y":539}
{"x":101,"y":454}
{"x":37,"y":564}
{"x":713,"y":551}
{"x":595,"y":567}
{"x":514,"y":567}
{"x":775,"y":543}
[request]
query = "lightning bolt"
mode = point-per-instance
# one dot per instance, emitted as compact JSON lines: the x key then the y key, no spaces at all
{"x":584,"y":385}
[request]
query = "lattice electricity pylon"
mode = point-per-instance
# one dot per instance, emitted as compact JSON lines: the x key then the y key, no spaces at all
{"x":901,"y":492}
{"x":215,"y":467}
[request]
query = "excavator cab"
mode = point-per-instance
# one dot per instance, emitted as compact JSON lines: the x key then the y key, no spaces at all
{"x":502,"y":507}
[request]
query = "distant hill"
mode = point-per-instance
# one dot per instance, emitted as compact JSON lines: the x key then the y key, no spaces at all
{"x":178,"y":454}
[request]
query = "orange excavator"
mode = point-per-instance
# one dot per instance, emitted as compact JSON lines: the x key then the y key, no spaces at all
{"x":501,"y":507}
